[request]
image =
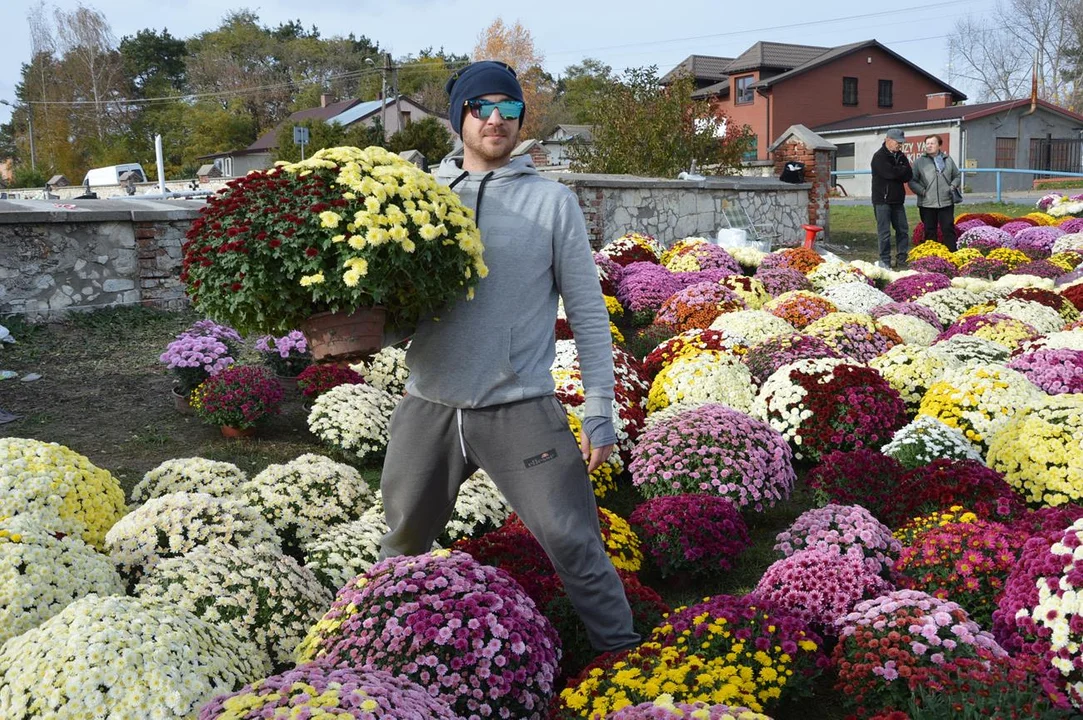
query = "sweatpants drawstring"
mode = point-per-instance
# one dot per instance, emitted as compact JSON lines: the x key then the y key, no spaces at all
{"x":462,"y":441}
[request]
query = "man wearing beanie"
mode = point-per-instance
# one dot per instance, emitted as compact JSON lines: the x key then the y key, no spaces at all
{"x":480,"y":393}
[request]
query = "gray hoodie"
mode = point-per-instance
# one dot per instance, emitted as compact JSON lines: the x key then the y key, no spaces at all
{"x":498,"y":347}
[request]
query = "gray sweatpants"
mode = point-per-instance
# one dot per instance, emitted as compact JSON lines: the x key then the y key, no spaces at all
{"x":526,"y":449}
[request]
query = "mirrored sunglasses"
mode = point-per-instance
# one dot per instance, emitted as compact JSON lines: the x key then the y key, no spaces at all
{"x":483,"y":109}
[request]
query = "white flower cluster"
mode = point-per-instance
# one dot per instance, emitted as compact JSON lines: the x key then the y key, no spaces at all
{"x":781,"y":402}
{"x":1058,"y":610}
{"x":1065,"y":206}
{"x":926,"y":439}
{"x":121,"y":657}
{"x":827,"y":274}
{"x":969,"y":348}
{"x":911,"y":369}
{"x":480,"y":507}
{"x":856,"y":297}
{"x":747,"y":257}
{"x":1063,"y":340}
{"x":256,"y":593}
{"x":877,"y":273}
{"x":348,"y":550}
{"x":386,"y":370}
{"x":353,"y":418}
{"x":703,"y":377}
{"x":307,"y":495}
{"x":571,"y":381}
{"x":912,"y":330}
{"x":1068,"y":241}
{"x":949,"y":303}
{"x":754,"y":326}
{"x":41,"y":574}
{"x":1042,"y":318}
{"x":567,"y":357}
{"x":194,"y":474}
{"x":177,"y":523}
{"x":979,"y":399}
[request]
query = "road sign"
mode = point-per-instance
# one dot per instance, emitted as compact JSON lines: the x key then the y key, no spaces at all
{"x":300,"y":135}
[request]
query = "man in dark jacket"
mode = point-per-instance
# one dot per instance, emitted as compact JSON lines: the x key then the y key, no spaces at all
{"x":890,"y":172}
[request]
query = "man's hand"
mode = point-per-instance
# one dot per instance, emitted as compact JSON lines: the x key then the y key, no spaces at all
{"x":593,"y":457}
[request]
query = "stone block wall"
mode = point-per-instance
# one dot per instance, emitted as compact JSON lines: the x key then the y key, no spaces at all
{"x":52,"y":262}
{"x":673,"y":209}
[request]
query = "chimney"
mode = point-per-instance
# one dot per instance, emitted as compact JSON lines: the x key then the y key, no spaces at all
{"x":937,"y":101}
{"x":324,"y":100}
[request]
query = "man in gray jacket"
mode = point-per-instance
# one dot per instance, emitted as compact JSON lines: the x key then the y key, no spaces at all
{"x":936,"y":179}
{"x":480,"y":393}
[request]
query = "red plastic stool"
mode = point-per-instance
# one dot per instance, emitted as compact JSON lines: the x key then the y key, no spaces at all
{"x":810,"y":234}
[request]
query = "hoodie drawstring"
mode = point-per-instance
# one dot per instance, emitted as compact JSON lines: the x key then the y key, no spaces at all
{"x":481,"y":190}
{"x":462,"y":441}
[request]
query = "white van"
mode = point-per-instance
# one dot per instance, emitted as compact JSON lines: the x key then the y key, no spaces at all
{"x":111,"y":175}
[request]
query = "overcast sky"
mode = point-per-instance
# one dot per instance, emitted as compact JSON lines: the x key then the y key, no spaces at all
{"x":621,"y":33}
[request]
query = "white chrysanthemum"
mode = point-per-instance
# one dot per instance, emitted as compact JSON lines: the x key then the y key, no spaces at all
{"x":256,"y":593}
{"x":1068,"y":241}
{"x":1012,"y":282}
{"x":567,"y":357}
{"x":706,"y":376}
{"x":970,"y":348}
{"x":306,"y":496}
{"x":911,"y":369}
{"x":1063,"y":340}
{"x":180,"y":522}
{"x":1042,"y":318}
{"x":856,"y":297}
{"x":386,"y":370}
{"x":747,"y":257}
{"x":949,"y":303}
{"x":754,"y":326}
{"x":348,"y":550}
{"x":1057,"y":610}
{"x":912,"y":330}
{"x":926,"y":439}
{"x":194,"y":474}
{"x":978,"y":399}
{"x":122,"y":657}
{"x":41,"y":574}
{"x":353,"y":418}
{"x":877,"y":273}
{"x":827,"y":274}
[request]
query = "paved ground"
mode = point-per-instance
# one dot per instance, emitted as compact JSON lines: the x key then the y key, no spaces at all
{"x":1028,"y":197}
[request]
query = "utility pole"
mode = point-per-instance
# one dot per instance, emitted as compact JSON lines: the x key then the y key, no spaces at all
{"x":383,"y":96}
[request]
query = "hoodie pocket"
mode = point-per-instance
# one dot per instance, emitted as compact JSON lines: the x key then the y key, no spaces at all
{"x":451,"y":364}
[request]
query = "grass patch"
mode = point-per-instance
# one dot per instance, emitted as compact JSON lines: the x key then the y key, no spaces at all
{"x":853,"y":227}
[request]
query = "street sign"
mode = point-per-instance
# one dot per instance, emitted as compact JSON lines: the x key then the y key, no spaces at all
{"x":300,"y":135}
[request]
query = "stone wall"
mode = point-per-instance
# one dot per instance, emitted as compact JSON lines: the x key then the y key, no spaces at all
{"x":91,"y":254}
{"x":673,"y":209}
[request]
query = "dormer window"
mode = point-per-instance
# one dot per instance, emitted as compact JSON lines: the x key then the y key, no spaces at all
{"x":743,"y":92}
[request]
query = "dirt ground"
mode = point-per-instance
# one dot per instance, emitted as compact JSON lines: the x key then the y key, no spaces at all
{"x":104,"y":393}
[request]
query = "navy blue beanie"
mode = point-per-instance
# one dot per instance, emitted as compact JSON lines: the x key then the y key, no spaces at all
{"x":481,"y":78}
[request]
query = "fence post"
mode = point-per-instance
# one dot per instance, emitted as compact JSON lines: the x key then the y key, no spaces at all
{"x":998,"y":185}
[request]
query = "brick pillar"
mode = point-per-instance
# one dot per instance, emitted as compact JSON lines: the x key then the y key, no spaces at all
{"x":590,"y":202}
{"x":817,"y":163}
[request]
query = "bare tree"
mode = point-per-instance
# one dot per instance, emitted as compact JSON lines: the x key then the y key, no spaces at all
{"x":1042,"y":28}
{"x":42,"y":42}
{"x":86,"y":40}
{"x":988,"y":60}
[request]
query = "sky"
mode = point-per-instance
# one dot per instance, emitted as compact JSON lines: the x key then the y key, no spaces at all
{"x":620,"y":33}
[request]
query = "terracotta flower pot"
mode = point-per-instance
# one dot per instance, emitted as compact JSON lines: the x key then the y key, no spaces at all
{"x":180,"y":403}
{"x":337,"y":337}
{"x":234,"y":432}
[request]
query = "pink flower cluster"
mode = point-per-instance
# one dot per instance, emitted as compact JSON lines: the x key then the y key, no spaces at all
{"x":238,"y":397}
{"x":908,"y":308}
{"x":699,"y":710}
{"x":467,"y":632}
{"x":985,"y":268}
{"x":911,"y":287}
{"x":690,"y":533}
{"x":609,"y":273}
{"x":645,"y":286}
{"x":858,"y":340}
{"x":711,"y":257}
{"x":1040,"y":268}
{"x":768,"y":356}
{"x":984,"y":237}
{"x":204,"y":352}
{"x":370,"y":694}
{"x":782,"y":280}
{"x":934,"y":264}
{"x":819,"y":586}
{"x":1055,"y":371}
{"x":1036,"y":239}
{"x":716,"y":450}
{"x":849,"y":531}
{"x":293,"y":343}
{"x":1014,"y":227}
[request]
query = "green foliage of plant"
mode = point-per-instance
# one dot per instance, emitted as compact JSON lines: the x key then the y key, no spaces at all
{"x":643,"y":128}
{"x":428,"y":136}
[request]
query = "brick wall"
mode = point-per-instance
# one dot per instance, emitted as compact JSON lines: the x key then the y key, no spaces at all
{"x":817,"y":173}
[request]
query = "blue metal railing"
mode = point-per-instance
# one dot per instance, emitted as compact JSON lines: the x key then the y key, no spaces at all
{"x":966,"y":171}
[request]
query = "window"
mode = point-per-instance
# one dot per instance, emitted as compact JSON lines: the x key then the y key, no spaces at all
{"x":405,"y":117}
{"x":883,"y":96}
{"x":744,"y":94}
{"x":844,"y":159}
{"x":1005,"y":152}
{"x":849,"y":91}
{"x":752,"y":153}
